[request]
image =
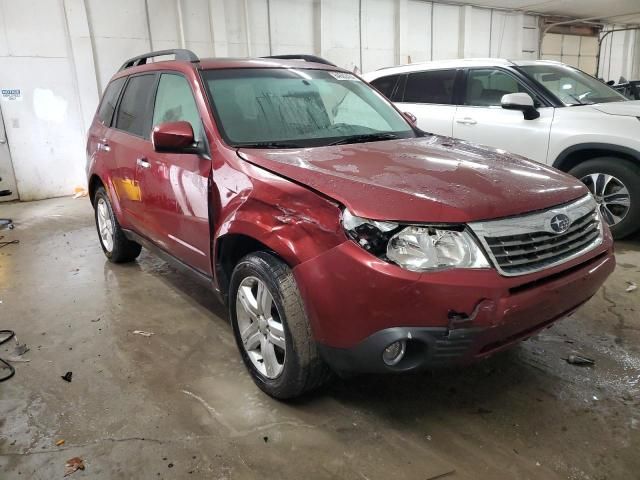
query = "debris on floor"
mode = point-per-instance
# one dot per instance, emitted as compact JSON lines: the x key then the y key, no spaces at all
{"x":580,"y":360}
{"x":21,"y":349}
{"x":632,"y":286}
{"x":10,"y":242}
{"x":80,"y":192}
{"x":60,"y":442}
{"x":67,"y":376}
{"x":73,"y":465}
{"x":142,"y":332}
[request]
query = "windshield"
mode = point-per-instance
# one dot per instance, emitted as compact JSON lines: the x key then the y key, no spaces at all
{"x":288,"y":108}
{"x":572,"y":86}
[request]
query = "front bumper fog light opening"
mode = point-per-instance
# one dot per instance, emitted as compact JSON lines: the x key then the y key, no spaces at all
{"x":394,"y":353}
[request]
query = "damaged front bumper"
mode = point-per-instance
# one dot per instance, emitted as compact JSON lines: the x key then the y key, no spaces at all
{"x":358,"y":305}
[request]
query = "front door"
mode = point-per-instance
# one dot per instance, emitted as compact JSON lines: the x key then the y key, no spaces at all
{"x":128,"y":142}
{"x":481,"y":119}
{"x":429,"y":95}
{"x":174,"y":188}
{"x":8,"y":189}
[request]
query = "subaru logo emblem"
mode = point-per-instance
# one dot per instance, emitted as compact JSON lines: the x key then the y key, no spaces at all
{"x":560,"y":223}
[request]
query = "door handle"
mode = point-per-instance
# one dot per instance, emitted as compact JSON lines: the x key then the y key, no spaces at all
{"x":2,"y":141}
{"x":466,"y":121}
{"x":103,"y":145}
{"x":143,"y":163}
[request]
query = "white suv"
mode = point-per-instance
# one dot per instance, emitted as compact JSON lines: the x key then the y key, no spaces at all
{"x":546,"y":111}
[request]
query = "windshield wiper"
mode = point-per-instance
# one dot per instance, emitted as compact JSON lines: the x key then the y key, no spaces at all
{"x":268,"y":145}
{"x":367,"y":137}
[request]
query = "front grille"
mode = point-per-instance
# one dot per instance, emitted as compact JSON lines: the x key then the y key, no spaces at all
{"x":529,"y":243}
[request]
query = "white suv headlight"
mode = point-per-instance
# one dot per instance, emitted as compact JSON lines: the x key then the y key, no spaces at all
{"x":416,"y":248}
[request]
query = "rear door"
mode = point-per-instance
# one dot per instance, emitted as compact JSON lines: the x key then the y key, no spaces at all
{"x":129,"y":142}
{"x":97,"y":144}
{"x":429,"y":95}
{"x":174,"y":186}
{"x":483,"y":120}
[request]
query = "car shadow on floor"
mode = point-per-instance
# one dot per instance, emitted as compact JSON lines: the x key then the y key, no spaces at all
{"x":421,"y":388}
{"x":520,"y":372}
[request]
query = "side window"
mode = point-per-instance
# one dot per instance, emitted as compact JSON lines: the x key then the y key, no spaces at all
{"x":486,"y":86}
{"x":109,"y":100}
{"x":435,"y":86}
{"x":175,"y":102}
{"x":386,"y":85}
{"x":134,"y":113}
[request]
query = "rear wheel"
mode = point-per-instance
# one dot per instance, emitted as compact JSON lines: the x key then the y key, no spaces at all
{"x":115,"y":245}
{"x":615,"y":184}
{"x":271,"y":328}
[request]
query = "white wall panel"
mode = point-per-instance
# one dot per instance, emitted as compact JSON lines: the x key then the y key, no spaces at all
{"x":477,"y":32}
{"x":119,"y":29}
{"x":25,"y":18}
{"x":292,"y":26}
{"x":506,"y":34}
{"x":259,"y":27}
{"x":446,"y":31}
{"x":235,"y":28}
{"x":196,"y":26}
{"x":163,"y":24}
{"x":378,"y":34}
{"x":419,"y":30}
{"x":341,"y":32}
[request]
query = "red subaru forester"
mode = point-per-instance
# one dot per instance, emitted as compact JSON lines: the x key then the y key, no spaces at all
{"x":340,"y":236}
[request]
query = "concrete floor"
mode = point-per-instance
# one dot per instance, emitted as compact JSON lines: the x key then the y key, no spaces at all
{"x":179,"y":403}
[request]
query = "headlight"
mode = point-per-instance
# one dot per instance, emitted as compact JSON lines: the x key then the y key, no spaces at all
{"x":416,"y":248}
{"x":428,"y":248}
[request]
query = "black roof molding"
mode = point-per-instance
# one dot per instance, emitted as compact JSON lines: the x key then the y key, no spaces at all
{"x":179,"y":53}
{"x":304,"y":57}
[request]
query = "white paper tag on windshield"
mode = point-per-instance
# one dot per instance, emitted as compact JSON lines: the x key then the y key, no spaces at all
{"x":343,"y":76}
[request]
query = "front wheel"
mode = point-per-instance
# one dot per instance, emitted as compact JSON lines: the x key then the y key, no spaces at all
{"x":271,"y":328}
{"x":615,"y":185}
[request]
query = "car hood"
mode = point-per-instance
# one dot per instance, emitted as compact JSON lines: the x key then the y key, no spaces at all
{"x":431,"y":179}
{"x":630,"y":108}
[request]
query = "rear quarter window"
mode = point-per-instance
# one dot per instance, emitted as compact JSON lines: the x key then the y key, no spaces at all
{"x":388,"y":86}
{"x":109,"y":100}
{"x":136,"y":107}
{"x":434,"y":86}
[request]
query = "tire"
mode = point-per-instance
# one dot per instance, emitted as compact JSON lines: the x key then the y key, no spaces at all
{"x":116,"y":247}
{"x":302,"y":369}
{"x":624,"y":173}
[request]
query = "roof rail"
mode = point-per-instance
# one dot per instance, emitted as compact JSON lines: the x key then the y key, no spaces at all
{"x":179,"y":53}
{"x":306,"y":58}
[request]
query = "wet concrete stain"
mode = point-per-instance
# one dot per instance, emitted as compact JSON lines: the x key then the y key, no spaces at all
{"x":179,"y":404}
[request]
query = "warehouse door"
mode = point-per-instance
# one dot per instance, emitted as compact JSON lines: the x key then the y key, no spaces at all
{"x":579,"y":51}
{"x":7,"y":179}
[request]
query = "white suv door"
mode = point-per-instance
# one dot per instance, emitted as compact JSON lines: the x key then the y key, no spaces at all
{"x":429,"y":96}
{"x":483,"y":120}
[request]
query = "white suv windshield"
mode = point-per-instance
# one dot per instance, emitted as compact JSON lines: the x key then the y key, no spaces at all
{"x":282,"y":108}
{"x":572,"y":86}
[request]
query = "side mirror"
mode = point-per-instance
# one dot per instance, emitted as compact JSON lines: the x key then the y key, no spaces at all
{"x":522,"y":102}
{"x":173,"y":137}
{"x":411,"y":117}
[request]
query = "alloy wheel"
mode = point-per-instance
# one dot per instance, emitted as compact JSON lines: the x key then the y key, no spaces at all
{"x":611,"y":194}
{"x":105,"y":225}
{"x":260,"y":327}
